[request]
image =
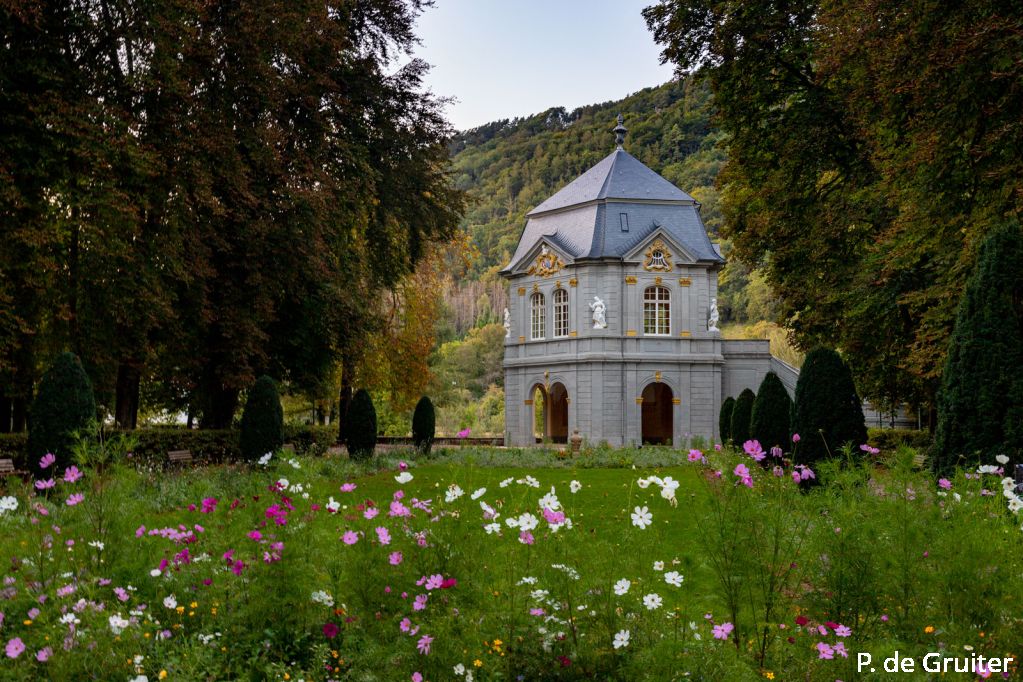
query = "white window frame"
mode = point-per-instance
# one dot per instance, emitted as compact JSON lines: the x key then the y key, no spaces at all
{"x":657,"y":310}
{"x":560,"y":306}
{"x":537,"y":317}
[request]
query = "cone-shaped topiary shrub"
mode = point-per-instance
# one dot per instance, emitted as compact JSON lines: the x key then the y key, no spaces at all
{"x":63,"y":405}
{"x":742,"y":412}
{"x":424,"y":425}
{"x":725,"y":419}
{"x":980,"y":404}
{"x":361,"y":430}
{"x":828,"y":413}
{"x":772,"y":410}
{"x":262,"y":420}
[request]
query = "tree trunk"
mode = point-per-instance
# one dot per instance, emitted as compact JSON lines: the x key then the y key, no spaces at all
{"x":126,"y":409}
{"x":219,"y":407}
{"x":345,"y":399}
{"x":6,"y":405}
{"x":19,"y":415}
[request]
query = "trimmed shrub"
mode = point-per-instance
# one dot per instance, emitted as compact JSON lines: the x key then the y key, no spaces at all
{"x":361,"y":429}
{"x":772,"y":412}
{"x":725,"y":419}
{"x":424,"y":425}
{"x":310,"y":439}
{"x":742,"y":412}
{"x":890,"y":440}
{"x":63,"y":405}
{"x":262,"y":427}
{"x":980,"y":403}
{"x":828,"y":413}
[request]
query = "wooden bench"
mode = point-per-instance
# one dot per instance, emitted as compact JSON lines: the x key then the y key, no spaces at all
{"x":7,"y":467}
{"x":180,"y":456}
{"x":919,"y":460}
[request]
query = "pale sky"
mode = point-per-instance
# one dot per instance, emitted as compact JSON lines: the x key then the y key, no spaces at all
{"x":508,"y":58}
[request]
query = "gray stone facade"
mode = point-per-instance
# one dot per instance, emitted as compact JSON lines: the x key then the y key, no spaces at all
{"x":655,"y":373}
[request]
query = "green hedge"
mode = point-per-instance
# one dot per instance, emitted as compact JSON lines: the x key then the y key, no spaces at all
{"x":152,"y":444}
{"x":889,"y":440}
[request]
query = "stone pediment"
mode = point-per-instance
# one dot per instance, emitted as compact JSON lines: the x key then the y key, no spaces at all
{"x":658,"y":252}
{"x":543,"y":260}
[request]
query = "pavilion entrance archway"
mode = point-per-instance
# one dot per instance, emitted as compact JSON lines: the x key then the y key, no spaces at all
{"x":657,"y":411}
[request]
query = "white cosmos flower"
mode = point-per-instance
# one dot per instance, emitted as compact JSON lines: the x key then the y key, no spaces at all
{"x":171,"y":602}
{"x":652,"y":601}
{"x":69,"y":619}
{"x":575,"y":486}
{"x":118,"y":623}
{"x":321,"y":597}
{"x":294,"y":463}
{"x":403,"y":478}
{"x":621,"y":639}
{"x":528,"y":522}
{"x":550,"y":501}
{"x":641,"y":517}
{"x":265,"y":459}
{"x":453,"y":493}
{"x":658,"y":565}
{"x":492,"y":528}
{"x":459,"y":669}
{"x":1001,"y":459}
{"x":1015,"y":504}
{"x":8,"y":503}
{"x":643,"y":483}
{"x":333,"y":505}
{"x":506,"y":482}
{"x":622,"y":586}
{"x":987,"y":469}
{"x":673,"y":578}
{"x":477,"y":494}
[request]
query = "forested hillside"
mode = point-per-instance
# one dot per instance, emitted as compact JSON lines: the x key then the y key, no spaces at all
{"x":510,"y":166}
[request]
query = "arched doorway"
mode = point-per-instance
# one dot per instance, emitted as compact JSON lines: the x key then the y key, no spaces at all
{"x":557,"y":424}
{"x":657,"y":414}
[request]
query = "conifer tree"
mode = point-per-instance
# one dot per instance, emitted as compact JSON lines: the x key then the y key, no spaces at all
{"x":828,"y":412}
{"x":63,"y":406}
{"x":980,"y":405}
{"x":725,"y":419}
{"x":262,"y":421}
{"x":739,"y":429}
{"x":772,"y":410}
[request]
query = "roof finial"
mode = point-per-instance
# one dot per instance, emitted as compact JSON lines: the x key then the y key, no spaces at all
{"x":620,"y":131}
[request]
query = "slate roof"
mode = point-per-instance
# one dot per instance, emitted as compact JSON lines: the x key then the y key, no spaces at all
{"x":619,"y":175}
{"x":585,"y":219}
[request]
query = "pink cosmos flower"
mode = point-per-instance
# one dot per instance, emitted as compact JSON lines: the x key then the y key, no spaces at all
{"x":823,"y":631}
{"x":464,"y":433}
{"x":778,"y":472}
{"x":255,"y":535}
{"x":536,"y":612}
{"x":417,"y":676}
{"x":717,"y":447}
{"x":47,"y":460}
{"x":121,"y":593}
{"x":776,"y":452}
{"x":944,"y":484}
{"x":424,"y":644}
{"x":370,"y":513}
{"x":553,"y":517}
{"x":45,"y":485}
{"x":526,"y":538}
{"x":43,"y":655}
{"x":350,"y":537}
{"x":839,"y":648}
{"x":72,"y":474}
{"x":448,"y":583}
{"x":402,"y":466}
{"x":419,"y":603}
{"x":14,"y":648}
{"x":74,"y":499}
{"x":843,"y":631}
{"x":722,"y":631}
{"x":696,"y":456}
{"x":754,"y":450}
{"x":394,"y":558}
{"x":237,"y":567}
{"x":330,"y":630}
{"x":825,"y":651}
{"x":405,"y":625}
{"x":795,"y":438}
{"x":434,"y":582}
{"x":383,"y":535}
{"x":209,"y":504}
{"x":398,"y":509}
{"x":348,"y":487}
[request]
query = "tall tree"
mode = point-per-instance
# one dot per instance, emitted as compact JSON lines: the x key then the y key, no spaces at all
{"x":869,"y":146}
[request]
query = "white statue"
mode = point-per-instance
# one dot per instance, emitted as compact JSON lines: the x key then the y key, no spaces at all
{"x":507,"y":323}
{"x":599,"y":309}
{"x":712,"y":323}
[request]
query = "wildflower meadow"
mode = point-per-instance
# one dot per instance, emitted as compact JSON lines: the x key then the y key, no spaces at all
{"x":652,"y":564}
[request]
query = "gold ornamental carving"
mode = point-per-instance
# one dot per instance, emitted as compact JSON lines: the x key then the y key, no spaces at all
{"x":658,"y":257}
{"x":547,"y":263}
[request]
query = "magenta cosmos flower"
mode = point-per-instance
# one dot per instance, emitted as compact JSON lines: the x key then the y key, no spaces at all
{"x":15,"y":647}
{"x":74,"y":499}
{"x":72,"y":474}
{"x":395,"y":558}
{"x":423,"y":644}
{"x":330,"y":630}
{"x":722,"y":631}
{"x":47,"y":461}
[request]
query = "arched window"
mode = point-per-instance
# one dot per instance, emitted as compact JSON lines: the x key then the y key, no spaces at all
{"x":657,"y":311}
{"x":560,"y":313}
{"x":537,"y":318}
